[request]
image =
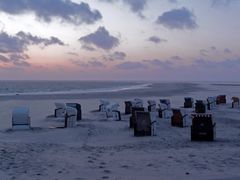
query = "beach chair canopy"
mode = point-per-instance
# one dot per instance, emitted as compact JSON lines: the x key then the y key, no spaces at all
{"x":20,"y":116}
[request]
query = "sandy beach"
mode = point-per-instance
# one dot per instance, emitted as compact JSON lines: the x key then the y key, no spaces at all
{"x":106,"y":149}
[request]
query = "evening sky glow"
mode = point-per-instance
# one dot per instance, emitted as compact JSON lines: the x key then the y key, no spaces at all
{"x":120,"y":40}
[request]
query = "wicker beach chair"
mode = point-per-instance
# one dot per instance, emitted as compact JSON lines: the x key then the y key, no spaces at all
{"x":211,"y":102}
{"x":78,"y":108}
{"x":103,"y":105}
{"x":235,"y":102}
{"x":60,"y":110}
{"x":203,"y":128}
{"x":144,"y":125}
{"x":70,"y":117}
{"x":21,"y":118}
{"x":133,"y":116}
{"x":180,"y":118}
{"x":221,"y":99}
{"x":137,"y":102}
{"x":200,"y":106}
{"x":152,"y":106}
{"x":128,"y":107}
{"x":188,"y":102}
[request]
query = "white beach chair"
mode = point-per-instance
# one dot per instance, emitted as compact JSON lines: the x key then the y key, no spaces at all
{"x":60,"y":110}
{"x":112,"y":111}
{"x":166,"y":102}
{"x":21,"y":118}
{"x":71,"y":117}
{"x":103,"y":105}
{"x":211,"y":102}
{"x":152,"y":106}
{"x":187,"y":119}
{"x":137,"y":102}
{"x":166,"y":113}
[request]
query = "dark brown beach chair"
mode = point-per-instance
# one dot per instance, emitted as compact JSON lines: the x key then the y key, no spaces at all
{"x":188,"y":102}
{"x":143,"y":124}
{"x":177,"y":118}
{"x":200,"y":107}
{"x":128,"y":107}
{"x":133,"y":116}
{"x":221,"y":99}
{"x":203,"y":128}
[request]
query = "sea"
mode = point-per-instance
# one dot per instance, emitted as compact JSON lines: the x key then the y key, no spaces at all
{"x":67,"y":87}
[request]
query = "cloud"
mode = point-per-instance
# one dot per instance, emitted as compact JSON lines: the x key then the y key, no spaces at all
{"x":176,"y":58}
{"x":160,"y":63}
{"x":115,"y":56}
{"x":218,"y":3}
{"x":101,"y":39}
{"x":173,"y":1}
{"x":47,"y":10}
{"x":228,"y":51}
{"x":90,"y":64}
{"x":137,"y":6}
{"x":178,"y":19}
{"x":12,"y":47}
{"x":156,"y":39}
{"x":223,"y":64}
{"x":131,"y":65}
{"x":35,"y":40}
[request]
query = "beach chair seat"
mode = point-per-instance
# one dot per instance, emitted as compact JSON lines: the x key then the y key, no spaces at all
{"x":188,"y":102}
{"x":103,"y":105}
{"x":221,"y":99}
{"x":60,"y":110}
{"x":78,"y":108}
{"x":143,"y":125}
{"x":203,"y":128}
{"x":70,"y":117}
{"x":152,"y":106}
{"x":180,"y":118}
{"x":235,"y":102}
{"x":133,"y":116}
{"x":21,"y":118}
{"x":128,"y":107}
{"x":200,"y":106}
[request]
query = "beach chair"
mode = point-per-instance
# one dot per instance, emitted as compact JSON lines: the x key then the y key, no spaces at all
{"x":152,"y":106}
{"x":78,"y":108}
{"x":133,"y":116}
{"x":60,"y":110}
{"x":128,"y":107}
{"x":103,"y":105}
{"x":21,"y":118}
{"x":211,"y":102}
{"x":235,"y":102}
{"x":112,"y":111}
{"x":180,"y":118}
{"x":137,"y":102}
{"x":221,"y":99}
{"x":200,"y":106}
{"x":70,"y":117}
{"x":188,"y":102}
{"x":163,"y":111}
{"x":144,"y":125}
{"x":203,"y":128}
{"x":166,"y":102}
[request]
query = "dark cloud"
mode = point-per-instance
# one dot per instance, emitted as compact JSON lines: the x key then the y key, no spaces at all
{"x":176,"y":58}
{"x":47,"y":10}
{"x":178,"y":19}
{"x":159,"y":63}
{"x":156,"y":39}
{"x":137,"y":6}
{"x":101,"y":39}
{"x":12,"y":48}
{"x":220,"y":64}
{"x":217,"y":3}
{"x":115,"y":56}
{"x":30,"y":39}
{"x":131,"y":65}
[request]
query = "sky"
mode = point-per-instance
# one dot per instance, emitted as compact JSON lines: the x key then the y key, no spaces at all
{"x":157,"y":40}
